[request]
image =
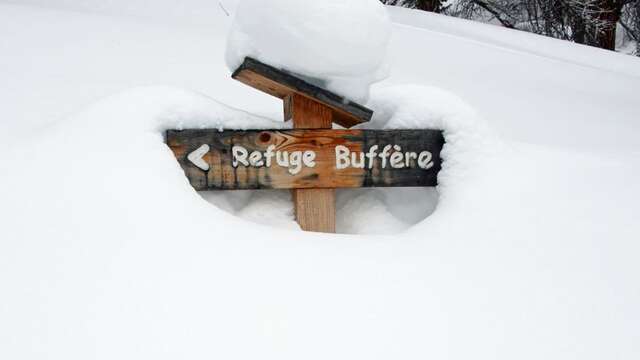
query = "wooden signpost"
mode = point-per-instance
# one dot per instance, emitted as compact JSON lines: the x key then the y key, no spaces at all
{"x":307,"y":159}
{"x":311,"y":159}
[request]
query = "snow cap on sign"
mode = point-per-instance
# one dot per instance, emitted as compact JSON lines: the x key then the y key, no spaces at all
{"x":336,"y":44}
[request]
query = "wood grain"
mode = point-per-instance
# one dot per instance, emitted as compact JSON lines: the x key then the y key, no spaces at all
{"x":283,"y":84}
{"x":223,"y":176}
{"x":315,"y":209}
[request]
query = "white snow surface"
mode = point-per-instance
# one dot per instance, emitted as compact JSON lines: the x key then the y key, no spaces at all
{"x":340,"y":45}
{"x":527,"y":250}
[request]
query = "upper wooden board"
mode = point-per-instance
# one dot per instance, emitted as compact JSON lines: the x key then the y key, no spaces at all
{"x":303,"y":159}
{"x":282,"y":84}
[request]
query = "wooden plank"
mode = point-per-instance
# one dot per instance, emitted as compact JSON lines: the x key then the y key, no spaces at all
{"x":315,"y":209}
{"x":222,"y":175}
{"x":282,"y":84}
{"x":307,"y":113}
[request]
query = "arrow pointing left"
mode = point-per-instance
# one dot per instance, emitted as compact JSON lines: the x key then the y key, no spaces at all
{"x":196,"y":157}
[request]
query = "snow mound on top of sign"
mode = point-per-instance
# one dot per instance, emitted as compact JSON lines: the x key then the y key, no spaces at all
{"x":336,"y":44}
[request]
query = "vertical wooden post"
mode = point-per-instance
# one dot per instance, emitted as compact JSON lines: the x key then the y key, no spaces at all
{"x":315,"y":209}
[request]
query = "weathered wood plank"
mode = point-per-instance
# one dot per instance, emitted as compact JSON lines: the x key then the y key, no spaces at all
{"x":282,"y":84}
{"x":375,"y":172}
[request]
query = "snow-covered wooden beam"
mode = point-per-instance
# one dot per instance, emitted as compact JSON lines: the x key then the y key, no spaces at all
{"x":284,"y":85}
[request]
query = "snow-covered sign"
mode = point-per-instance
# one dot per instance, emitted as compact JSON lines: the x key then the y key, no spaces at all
{"x":313,"y":159}
{"x":303,"y":159}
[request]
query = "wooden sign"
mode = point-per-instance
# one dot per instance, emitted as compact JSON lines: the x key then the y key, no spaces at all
{"x":306,"y":159}
{"x":312,"y":159}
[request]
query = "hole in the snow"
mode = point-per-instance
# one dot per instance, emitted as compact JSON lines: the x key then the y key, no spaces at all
{"x":358,"y":211}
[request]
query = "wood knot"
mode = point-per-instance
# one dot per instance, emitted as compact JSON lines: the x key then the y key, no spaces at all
{"x":265,"y":137}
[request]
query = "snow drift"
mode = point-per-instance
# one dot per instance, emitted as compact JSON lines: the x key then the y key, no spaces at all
{"x":120,"y":140}
{"x":106,"y":252}
{"x":126,"y":256}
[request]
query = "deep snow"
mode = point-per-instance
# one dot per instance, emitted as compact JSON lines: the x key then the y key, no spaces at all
{"x":106,"y":252}
{"x":339,"y":45}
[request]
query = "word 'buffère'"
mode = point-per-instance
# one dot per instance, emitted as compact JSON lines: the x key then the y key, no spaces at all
{"x":390,"y":156}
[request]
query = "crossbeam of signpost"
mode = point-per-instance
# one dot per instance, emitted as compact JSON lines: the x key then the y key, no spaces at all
{"x":307,"y":159}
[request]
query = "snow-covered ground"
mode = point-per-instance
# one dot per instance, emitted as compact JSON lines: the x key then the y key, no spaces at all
{"x":106,"y":252}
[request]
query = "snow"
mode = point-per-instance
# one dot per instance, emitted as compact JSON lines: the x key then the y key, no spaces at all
{"x":468,"y":139}
{"x":531,"y":88}
{"x":340,"y":45}
{"x":528,"y":248}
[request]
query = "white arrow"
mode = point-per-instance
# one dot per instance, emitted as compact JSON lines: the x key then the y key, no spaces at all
{"x":196,"y":157}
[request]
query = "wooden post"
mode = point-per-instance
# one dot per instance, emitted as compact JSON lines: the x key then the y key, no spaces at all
{"x":310,"y":107}
{"x":315,"y":209}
